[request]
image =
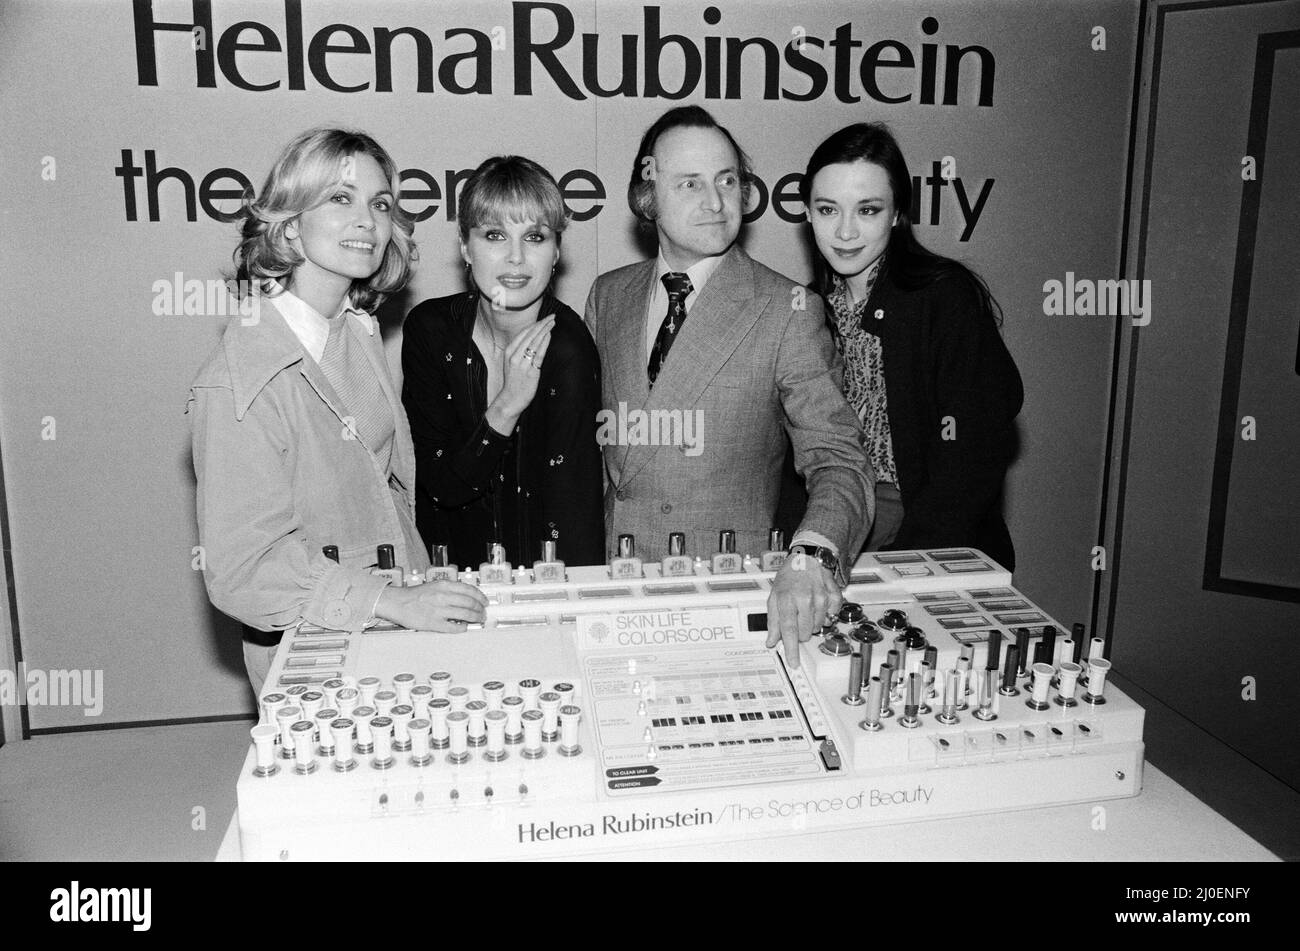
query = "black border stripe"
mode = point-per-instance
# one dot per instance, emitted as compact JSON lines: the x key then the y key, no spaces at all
{"x":139,"y":724}
{"x":1239,"y":315}
{"x":6,"y":544}
{"x":1119,"y":324}
{"x":1143,"y":217}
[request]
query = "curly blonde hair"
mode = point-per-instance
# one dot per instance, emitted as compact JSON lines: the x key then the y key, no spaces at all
{"x":303,"y":177}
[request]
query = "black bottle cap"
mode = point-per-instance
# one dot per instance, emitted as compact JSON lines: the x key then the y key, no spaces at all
{"x":331,"y":552}
{"x":385,"y":556}
{"x":1013,"y":663}
{"x":995,"y":650}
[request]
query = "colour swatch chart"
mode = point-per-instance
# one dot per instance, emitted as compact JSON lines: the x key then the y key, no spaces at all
{"x":696,"y":719}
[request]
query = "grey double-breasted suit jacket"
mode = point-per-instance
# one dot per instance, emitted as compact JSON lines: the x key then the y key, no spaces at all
{"x":753,"y":364}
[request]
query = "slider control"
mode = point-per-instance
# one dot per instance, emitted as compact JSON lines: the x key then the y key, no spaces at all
{"x":402,"y":684}
{"x":513,"y":707}
{"x":381,"y":730}
{"x":912,"y":706}
{"x":440,"y":681}
{"x":549,"y":702}
{"x":988,"y":694}
{"x":853,"y":697}
{"x":439,"y":735}
{"x":993,"y":656}
{"x":1067,"y":683}
{"x":886,"y":679}
{"x":342,"y":729}
{"x":494,"y":691}
{"x":264,"y":735}
{"x":401,"y":715}
{"x":496,"y":736}
{"x":458,"y":737}
{"x":927,"y":686}
{"x":476,"y":725}
{"x":1022,"y":651}
{"x":421,"y":694}
{"x":530,"y":689}
{"x":418,"y":730}
{"x":362,"y":717}
{"x":369,"y":686}
{"x":384,"y":701}
{"x":304,"y":753}
{"x":1009,"y":671}
{"x":459,"y":697}
{"x":566,"y":691}
{"x":533,"y":748}
{"x":875,"y":693}
{"x":324,"y":738}
{"x":894,"y":662}
{"x":1042,"y":684}
{"x":1098,"y":667}
{"x":952,"y":685}
{"x":285,"y":718}
{"x":570,"y":715}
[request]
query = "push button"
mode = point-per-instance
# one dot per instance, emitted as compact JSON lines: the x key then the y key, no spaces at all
{"x":665,"y":508}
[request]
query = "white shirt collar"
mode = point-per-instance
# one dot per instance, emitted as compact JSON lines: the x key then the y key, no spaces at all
{"x":699,"y":273}
{"x":307,"y":323}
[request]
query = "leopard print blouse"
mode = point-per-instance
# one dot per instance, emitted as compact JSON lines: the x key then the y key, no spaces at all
{"x":864,"y":373}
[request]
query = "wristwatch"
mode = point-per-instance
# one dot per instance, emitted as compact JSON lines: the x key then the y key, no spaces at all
{"x":826,"y":558}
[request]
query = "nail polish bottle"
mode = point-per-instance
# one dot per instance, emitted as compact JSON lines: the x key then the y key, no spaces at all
{"x":676,"y":564}
{"x":626,"y":566}
{"x":496,"y":570}
{"x":548,"y":570}
{"x":387,"y":567}
{"x":774,"y":557}
{"x":442,"y":569}
{"x":726,"y":561}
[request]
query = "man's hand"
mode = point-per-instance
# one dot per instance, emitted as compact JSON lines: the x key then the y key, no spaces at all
{"x":803,"y":593}
{"x":445,"y":606}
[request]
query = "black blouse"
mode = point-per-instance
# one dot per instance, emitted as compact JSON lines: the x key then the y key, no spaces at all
{"x":953,"y":394}
{"x":473,"y":485}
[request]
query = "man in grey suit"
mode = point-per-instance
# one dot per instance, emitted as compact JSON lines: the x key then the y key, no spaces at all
{"x":744,"y":353}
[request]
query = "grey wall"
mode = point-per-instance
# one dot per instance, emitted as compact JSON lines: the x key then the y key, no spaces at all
{"x":103,"y":515}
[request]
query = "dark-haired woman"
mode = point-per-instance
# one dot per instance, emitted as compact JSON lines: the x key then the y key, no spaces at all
{"x":502,"y":385}
{"x":925,"y":366}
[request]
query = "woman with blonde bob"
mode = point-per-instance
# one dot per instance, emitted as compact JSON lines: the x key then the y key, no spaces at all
{"x":503,"y":385}
{"x":301,"y":447}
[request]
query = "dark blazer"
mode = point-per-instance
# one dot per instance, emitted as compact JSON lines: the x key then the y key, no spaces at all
{"x":474,"y":485}
{"x":754,"y":363}
{"x":944,"y":359}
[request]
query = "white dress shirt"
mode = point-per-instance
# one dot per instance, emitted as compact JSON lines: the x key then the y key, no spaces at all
{"x":308,"y":324}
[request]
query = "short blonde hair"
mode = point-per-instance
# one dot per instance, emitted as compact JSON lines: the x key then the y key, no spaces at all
{"x":302,"y":178}
{"x":510,"y":188}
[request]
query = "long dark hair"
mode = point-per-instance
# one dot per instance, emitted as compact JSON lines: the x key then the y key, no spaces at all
{"x":908,"y":263}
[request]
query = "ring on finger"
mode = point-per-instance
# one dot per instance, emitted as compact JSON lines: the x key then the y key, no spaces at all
{"x":530,"y":353}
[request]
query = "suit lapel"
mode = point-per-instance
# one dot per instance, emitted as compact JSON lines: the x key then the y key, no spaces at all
{"x":626,"y":350}
{"x":717,"y":323}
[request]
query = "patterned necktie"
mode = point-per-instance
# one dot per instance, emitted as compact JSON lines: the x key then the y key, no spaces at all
{"x":348,"y":370}
{"x":679,"y":288}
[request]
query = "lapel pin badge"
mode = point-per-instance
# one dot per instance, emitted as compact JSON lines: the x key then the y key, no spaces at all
{"x":879,"y":314}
